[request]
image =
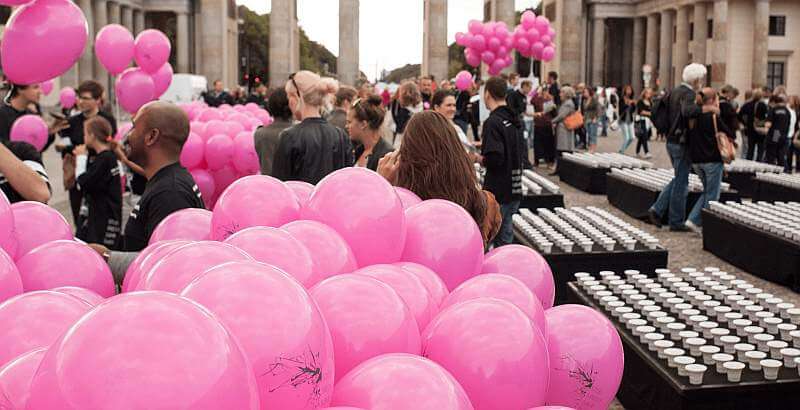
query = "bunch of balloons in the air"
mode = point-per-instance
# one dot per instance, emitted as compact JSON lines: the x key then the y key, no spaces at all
{"x":292,"y":296}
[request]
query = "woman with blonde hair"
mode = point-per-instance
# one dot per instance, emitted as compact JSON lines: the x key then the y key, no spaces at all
{"x":313,"y":148}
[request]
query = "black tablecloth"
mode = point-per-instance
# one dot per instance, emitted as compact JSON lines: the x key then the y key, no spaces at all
{"x":564,"y":265}
{"x":635,"y":200}
{"x":648,"y":383}
{"x":583,"y":177}
{"x":767,"y":191}
{"x":760,"y":253}
{"x":742,"y":182}
{"x":549,"y":201}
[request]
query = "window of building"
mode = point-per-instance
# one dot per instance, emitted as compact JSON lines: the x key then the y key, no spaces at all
{"x":710,"y":28}
{"x":775,"y":73}
{"x":674,"y":34}
{"x":691,"y":31}
{"x":777,"y":26}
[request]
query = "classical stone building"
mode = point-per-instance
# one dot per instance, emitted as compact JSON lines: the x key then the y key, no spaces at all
{"x":743,"y":42}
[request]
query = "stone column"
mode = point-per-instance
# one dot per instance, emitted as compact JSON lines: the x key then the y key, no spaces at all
{"x":637,"y":59}
{"x":100,"y":10}
{"x":281,"y":42}
{"x":138,"y":21}
{"x":182,"y":37}
{"x":86,"y":64}
{"x":127,"y":17}
{"x":681,"y":50}
{"x":114,"y":16}
{"x":760,"y":43}
{"x":598,"y":50}
{"x":665,"y":58}
{"x":719,"y":60}
{"x":435,"y":58}
{"x":700,"y":32}
{"x":347,"y":63}
{"x":570,"y":70}
{"x":651,"y":48}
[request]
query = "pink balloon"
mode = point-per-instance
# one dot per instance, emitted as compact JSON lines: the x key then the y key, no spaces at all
{"x":245,"y":158}
{"x":488,"y":57}
{"x":409,"y":287}
{"x":89,"y":296}
{"x":478,"y":43}
{"x":43,"y":268}
{"x":302,"y":190}
{"x":488,"y":29}
{"x":552,"y":408}
{"x":114,"y":47}
{"x":537,"y":47}
{"x":276,"y":247}
{"x":552,"y":33}
{"x":67,"y":97}
{"x":498,"y":65}
{"x":8,"y":237}
{"x":14,"y":2}
{"x":473,"y":59}
{"x":10,"y":281}
{"x":445,"y":238}
{"x":233,"y":128}
{"x":330,"y":254}
{"x":162,"y":78}
{"x":526,"y":265}
{"x":523,"y":45}
{"x":365,"y":210}
{"x":460,"y":39}
{"x":532,"y":36}
{"x":290,"y":349}
{"x":152,"y":50}
{"x":433,"y":283}
{"x":494,"y":44}
{"x":47,"y":86}
{"x":582,"y":341}
{"x":235,"y":211}
{"x":548,"y":53}
{"x":528,"y":19}
{"x":198,"y":128}
{"x":475,"y":27}
{"x":505,"y":287}
{"x":28,"y":47}
{"x":494,"y":351}
{"x":210,"y":114}
{"x":36,"y":319}
{"x":193,"y":151}
{"x":30,"y":128}
{"x":342,"y":408}
{"x":182,"y":265}
{"x":36,"y":224}
{"x":545,"y":39}
{"x":407,"y":198}
{"x":219,"y":151}
{"x":205,"y":182}
{"x":400,"y":381}
{"x":542,"y":24}
{"x":146,"y":260}
{"x":223,"y":178}
{"x":189,"y":224}
{"x":16,"y":377}
{"x":123,"y":130}
{"x":184,"y":357}
{"x":375,"y":322}
{"x":134,"y":89}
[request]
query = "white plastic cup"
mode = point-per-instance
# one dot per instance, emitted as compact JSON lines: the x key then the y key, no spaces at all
{"x":734,"y":370}
{"x":771,"y":368}
{"x":720,"y":359}
{"x":740,"y":324}
{"x":671,"y":353}
{"x":719,"y":332}
{"x":795,"y":338}
{"x":754,"y":358}
{"x":775,"y":348}
{"x":681,"y":362}
{"x":708,"y":351}
{"x":674,"y":330}
{"x":728,"y":342}
{"x":789,"y":354}
{"x":741,"y":349}
{"x":634,"y":323}
{"x":695,"y":372}
{"x":785,"y":329}
{"x":662,"y":345}
{"x":707,"y":326}
{"x":762,"y":339}
{"x":694,"y":343}
{"x":625,"y":317}
{"x":772,"y":324}
{"x":651,"y":338}
{"x":794,"y":315}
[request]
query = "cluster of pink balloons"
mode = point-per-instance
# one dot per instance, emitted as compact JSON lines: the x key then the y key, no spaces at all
{"x":534,"y":37}
{"x":463,"y":80}
{"x":490,"y":43}
{"x":220,"y":148}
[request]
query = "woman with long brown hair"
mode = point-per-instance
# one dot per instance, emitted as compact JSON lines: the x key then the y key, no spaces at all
{"x":432,"y":163}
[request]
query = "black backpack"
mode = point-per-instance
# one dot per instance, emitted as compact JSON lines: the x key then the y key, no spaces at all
{"x":660,"y":114}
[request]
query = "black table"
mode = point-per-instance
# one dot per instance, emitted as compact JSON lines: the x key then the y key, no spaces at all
{"x":649,"y":383}
{"x":763,"y":254}
{"x":771,"y":192}
{"x":636,"y":200}
{"x":742,"y":182}
{"x":545,"y":200}
{"x":564,"y":265}
{"x":583,"y":177}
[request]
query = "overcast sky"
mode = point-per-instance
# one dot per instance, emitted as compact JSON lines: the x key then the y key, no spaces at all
{"x":390,"y":35}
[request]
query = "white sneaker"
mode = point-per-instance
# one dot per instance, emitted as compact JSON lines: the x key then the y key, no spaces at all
{"x":694,"y":228}
{"x":648,"y":155}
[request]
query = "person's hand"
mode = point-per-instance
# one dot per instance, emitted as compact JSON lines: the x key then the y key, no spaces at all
{"x":476,"y":158}
{"x":100,"y":249}
{"x":389,"y":165}
{"x":80,"y":150}
{"x":57,"y":126}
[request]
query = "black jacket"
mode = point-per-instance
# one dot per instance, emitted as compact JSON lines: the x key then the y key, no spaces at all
{"x":728,"y":114}
{"x":215,"y":100}
{"x":682,"y":107}
{"x":516,"y":102}
{"x":703,"y":141}
{"x":378,"y":151}
{"x":502,"y":152}
{"x":311,"y":150}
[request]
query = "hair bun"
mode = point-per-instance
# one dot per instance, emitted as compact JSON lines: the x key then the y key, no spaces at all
{"x":328,"y":85}
{"x":375,"y":100}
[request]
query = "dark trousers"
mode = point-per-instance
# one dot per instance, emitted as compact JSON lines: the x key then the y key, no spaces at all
{"x":755,"y":147}
{"x":475,"y":125}
{"x":75,"y":199}
{"x":776,"y":153}
{"x":544,"y":144}
{"x":642,"y":143}
{"x":790,"y":158}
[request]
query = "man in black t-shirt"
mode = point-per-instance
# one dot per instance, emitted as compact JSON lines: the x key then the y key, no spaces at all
{"x":23,"y":100}
{"x":778,"y":120}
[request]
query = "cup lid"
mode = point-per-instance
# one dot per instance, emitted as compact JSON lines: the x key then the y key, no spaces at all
{"x":695,"y":368}
{"x":778,"y":344}
{"x":664,"y":344}
{"x":743,"y":346}
{"x":771,"y":363}
{"x":790,"y":351}
{"x":729,"y":339}
{"x":755,"y":354}
{"x":710,"y":349}
{"x":695,"y":341}
{"x":673,"y":351}
{"x":764,"y":337}
{"x":733,"y":365}
{"x":684,"y":359}
{"x":722,"y":357}
{"x":787,"y":326}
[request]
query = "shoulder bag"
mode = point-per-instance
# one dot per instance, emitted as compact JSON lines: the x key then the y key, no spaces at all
{"x":727,"y":148}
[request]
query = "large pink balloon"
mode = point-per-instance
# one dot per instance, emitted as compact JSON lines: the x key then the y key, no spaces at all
{"x":31,"y":129}
{"x":407,"y":198}
{"x":219,"y":151}
{"x":528,"y":19}
{"x":290,"y":348}
{"x":365,"y":210}
{"x":494,"y":351}
{"x":182,"y":265}
{"x":47,"y":87}
{"x":445,"y":238}
{"x":16,"y":377}
{"x":29,"y":50}
{"x":236,"y":208}
{"x":586,"y":357}
{"x":429,"y":278}
{"x":10,"y":281}
{"x":400,"y":381}
{"x":210,"y":114}
{"x":526,"y":265}
{"x":505,"y":287}
{"x":146,"y":260}
{"x":223,"y":178}
{"x":67,"y":97}
{"x":89,"y":296}
{"x":205,"y":182}
{"x":114,"y":46}
{"x":245,"y":158}
{"x":190,"y":224}
{"x":162,"y":78}
{"x":134,"y":89}
{"x":276,"y":247}
{"x":330,"y":254}
{"x":475,"y":27}
{"x":65,"y":263}
{"x":409,"y":287}
{"x":302,"y":190}
{"x":35,"y":224}
{"x":122,"y":130}
{"x":35,"y":319}
{"x":184,"y":358}
{"x":152,"y":50}
{"x":193,"y":151}
{"x":463,"y":80}
{"x":8,"y":236}
{"x":367,"y":318}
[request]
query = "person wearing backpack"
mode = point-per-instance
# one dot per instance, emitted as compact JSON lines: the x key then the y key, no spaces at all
{"x":676,"y":109}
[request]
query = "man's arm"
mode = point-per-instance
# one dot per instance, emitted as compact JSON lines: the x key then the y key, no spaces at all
{"x":27,"y":182}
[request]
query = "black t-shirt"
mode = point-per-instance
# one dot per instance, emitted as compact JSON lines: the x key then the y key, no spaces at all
{"x":780,"y":118}
{"x":171,"y":189}
{"x":75,"y":130}
{"x":311,"y":150}
{"x":502,"y":139}
{"x":462,"y":106}
{"x":100,"y":218}
{"x":29,"y":156}
{"x":8,"y":115}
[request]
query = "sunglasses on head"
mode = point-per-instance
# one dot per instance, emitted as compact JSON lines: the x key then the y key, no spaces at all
{"x":294,"y":83}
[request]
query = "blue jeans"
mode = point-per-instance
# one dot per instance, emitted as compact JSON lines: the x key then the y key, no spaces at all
{"x":710,"y":174}
{"x":627,"y":135}
{"x":506,"y":234}
{"x":591,"y":133}
{"x":673,"y":196}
